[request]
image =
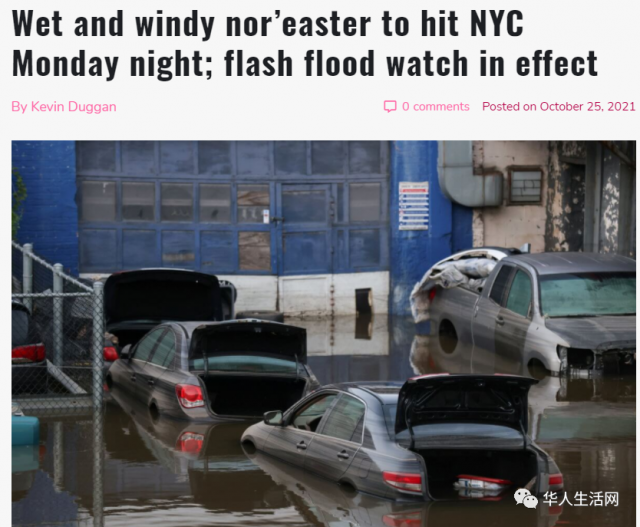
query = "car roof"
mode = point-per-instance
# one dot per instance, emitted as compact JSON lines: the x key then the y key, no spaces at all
{"x":563,"y":262}
{"x":385,"y":391}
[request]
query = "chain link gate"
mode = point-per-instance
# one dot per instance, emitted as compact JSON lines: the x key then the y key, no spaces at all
{"x":58,"y":337}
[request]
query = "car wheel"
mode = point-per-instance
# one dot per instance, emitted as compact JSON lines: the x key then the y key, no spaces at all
{"x":537,"y":370}
{"x":448,"y":336}
{"x":273,"y":316}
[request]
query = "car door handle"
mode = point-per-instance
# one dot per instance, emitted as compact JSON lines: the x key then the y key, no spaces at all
{"x":500,"y":321}
{"x":133,"y":378}
{"x":343,"y":455}
{"x":301,"y":445}
{"x":150,"y":382}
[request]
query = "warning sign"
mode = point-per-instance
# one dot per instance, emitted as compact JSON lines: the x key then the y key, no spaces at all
{"x":414,"y":206}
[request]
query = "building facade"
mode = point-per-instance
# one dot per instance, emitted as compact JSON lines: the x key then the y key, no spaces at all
{"x":299,"y":226}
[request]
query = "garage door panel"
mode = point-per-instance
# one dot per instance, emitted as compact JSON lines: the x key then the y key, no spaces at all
{"x":139,"y":248}
{"x":178,"y":249}
{"x":364,"y":248}
{"x":217,"y":251}
{"x":306,"y":252}
{"x":98,"y":249}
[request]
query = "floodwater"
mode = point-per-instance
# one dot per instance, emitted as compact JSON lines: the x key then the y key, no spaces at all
{"x":122,"y":468}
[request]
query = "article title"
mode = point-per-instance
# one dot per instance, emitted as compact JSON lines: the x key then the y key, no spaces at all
{"x":311,"y":62}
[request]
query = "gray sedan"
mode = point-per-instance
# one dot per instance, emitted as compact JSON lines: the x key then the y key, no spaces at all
{"x":423,"y":440}
{"x":566,"y":312}
{"x":204,"y":371}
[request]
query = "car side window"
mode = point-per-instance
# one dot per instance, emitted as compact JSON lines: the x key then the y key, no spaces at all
{"x":166,"y":350}
{"x":146,"y":345}
{"x":345,"y":420}
{"x":519,"y":300}
{"x":309,"y":416}
{"x":500,"y":284}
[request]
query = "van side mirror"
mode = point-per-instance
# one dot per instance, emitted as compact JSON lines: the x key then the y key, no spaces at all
{"x":273,"y":418}
{"x":125,"y":353}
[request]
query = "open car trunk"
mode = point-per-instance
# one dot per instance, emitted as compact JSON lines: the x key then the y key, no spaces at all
{"x":251,"y":395}
{"x":473,"y":425}
{"x":445,"y":465}
{"x":250,"y":367}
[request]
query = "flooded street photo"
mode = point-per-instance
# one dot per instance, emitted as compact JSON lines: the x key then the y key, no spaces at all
{"x":324,"y":333}
{"x":126,"y":467}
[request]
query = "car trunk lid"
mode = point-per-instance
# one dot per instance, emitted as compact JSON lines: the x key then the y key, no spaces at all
{"x":157,"y":295}
{"x":249,"y":337}
{"x":443,"y":398}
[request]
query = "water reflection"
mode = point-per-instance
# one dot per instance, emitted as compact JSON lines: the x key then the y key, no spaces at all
{"x":165,"y":472}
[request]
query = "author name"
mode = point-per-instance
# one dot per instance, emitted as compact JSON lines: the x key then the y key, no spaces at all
{"x":69,"y":106}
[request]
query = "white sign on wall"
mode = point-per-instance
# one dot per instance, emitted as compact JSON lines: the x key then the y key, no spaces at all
{"x":414,"y":206}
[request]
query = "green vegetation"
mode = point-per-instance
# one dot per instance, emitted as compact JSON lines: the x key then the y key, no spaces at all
{"x":18,"y":195}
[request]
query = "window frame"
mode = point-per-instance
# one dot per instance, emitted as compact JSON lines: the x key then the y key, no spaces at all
{"x":153,"y":349}
{"x":524,"y":168}
{"x":507,"y":285}
{"x":124,"y":238}
{"x":330,"y":410}
{"x":529,"y":314}
{"x":291,"y":413}
{"x":170,"y":365}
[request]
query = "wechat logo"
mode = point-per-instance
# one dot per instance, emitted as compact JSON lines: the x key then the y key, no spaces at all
{"x":524,"y":496}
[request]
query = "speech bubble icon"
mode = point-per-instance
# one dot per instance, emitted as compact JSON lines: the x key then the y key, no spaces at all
{"x":390,"y":106}
{"x":530,"y":502}
{"x":520,"y":495}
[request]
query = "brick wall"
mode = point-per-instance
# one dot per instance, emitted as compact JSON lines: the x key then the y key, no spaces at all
{"x":50,"y":219}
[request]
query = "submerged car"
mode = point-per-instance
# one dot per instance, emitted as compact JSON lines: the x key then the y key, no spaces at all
{"x":212,"y":370}
{"x":567,"y":312}
{"x":413,"y":441}
{"x":333,"y":504}
{"x":28,"y":356}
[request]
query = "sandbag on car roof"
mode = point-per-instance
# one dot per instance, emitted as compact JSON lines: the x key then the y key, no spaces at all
{"x":468,"y":269}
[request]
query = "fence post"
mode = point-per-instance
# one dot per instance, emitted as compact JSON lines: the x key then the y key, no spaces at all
{"x":98,"y":343}
{"x":58,"y":318}
{"x":27,"y":275}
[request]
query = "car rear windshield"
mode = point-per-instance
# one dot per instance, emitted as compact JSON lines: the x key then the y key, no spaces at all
{"x":588,"y":294}
{"x":245,"y":364}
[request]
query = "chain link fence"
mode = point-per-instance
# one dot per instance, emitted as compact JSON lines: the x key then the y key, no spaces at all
{"x":58,"y":338}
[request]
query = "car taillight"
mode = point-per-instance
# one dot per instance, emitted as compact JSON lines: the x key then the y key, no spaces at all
{"x":189,"y":396}
{"x":432,"y":293}
{"x":555,"y":481}
{"x":408,"y":519}
{"x":32,"y":352}
{"x":190,"y":442}
{"x":405,"y":482}
{"x":110,"y":354}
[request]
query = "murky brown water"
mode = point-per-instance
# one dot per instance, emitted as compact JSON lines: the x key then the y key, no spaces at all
{"x":151,"y":472}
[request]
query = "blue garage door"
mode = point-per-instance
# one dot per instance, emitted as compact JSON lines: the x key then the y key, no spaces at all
{"x":251,"y":207}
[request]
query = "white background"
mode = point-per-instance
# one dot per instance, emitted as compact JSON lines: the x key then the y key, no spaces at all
{"x":302,"y":107}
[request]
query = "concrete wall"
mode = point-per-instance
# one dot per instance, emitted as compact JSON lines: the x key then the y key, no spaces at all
{"x":610,"y":197}
{"x":510,"y":225}
{"x":310,"y":295}
{"x":50,"y":219}
{"x":565,"y":196}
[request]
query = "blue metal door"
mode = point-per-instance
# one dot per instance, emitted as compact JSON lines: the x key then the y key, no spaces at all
{"x":304,"y":229}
